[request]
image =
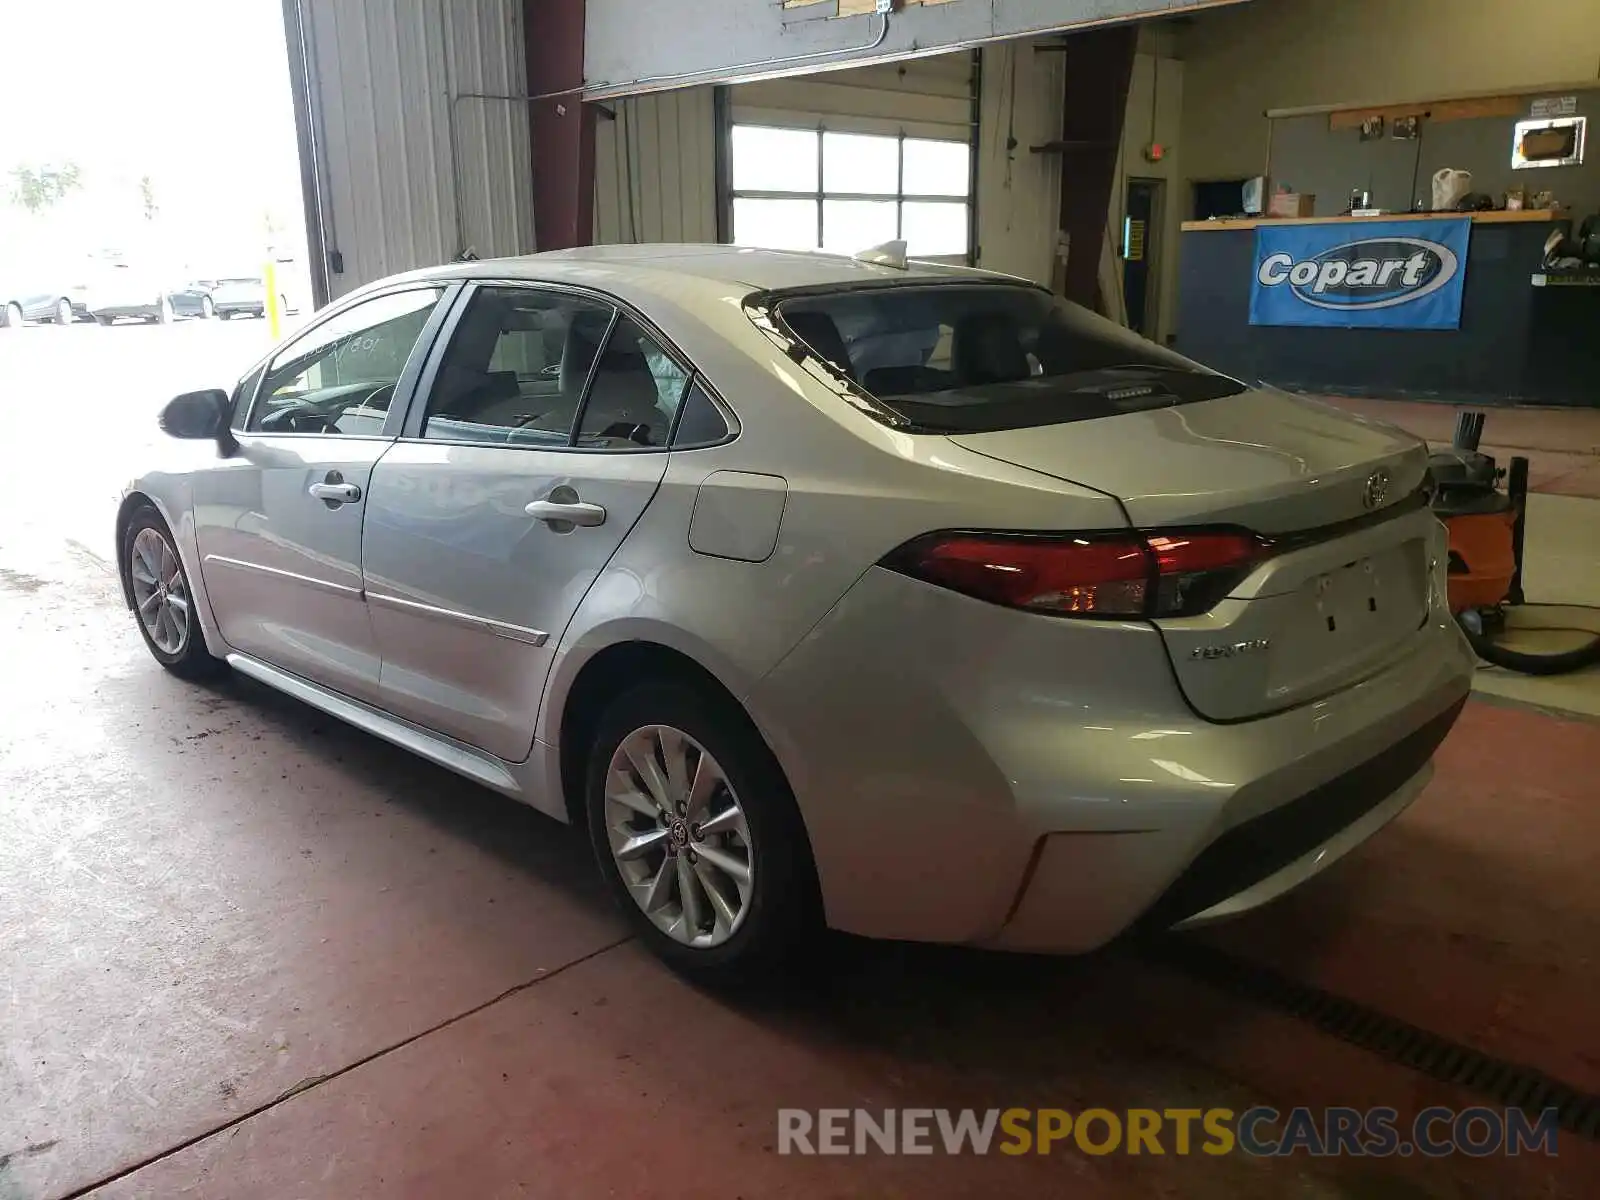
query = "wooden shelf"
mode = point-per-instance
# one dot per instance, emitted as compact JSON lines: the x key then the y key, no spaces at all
{"x":1580,"y":279}
{"x":1494,"y":217}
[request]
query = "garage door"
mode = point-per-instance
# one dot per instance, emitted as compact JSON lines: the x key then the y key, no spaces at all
{"x":846,"y":159}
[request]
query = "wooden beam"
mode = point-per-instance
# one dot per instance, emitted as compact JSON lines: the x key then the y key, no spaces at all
{"x":562,"y":127}
{"x":1098,"y":65}
{"x":1439,"y":110}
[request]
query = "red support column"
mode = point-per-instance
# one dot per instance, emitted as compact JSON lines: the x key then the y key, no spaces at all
{"x":1099,"y":65}
{"x":562,"y":127}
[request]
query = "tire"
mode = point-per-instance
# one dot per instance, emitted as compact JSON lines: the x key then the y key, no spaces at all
{"x":154,"y":575}
{"x":227,"y":316}
{"x":207,"y":308}
{"x":13,"y":316}
{"x":102,"y":319}
{"x":63,"y":311}
{"x":779,"y":912}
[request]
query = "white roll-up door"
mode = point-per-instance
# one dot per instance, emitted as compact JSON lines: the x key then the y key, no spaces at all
{"x":412,"y":167}
{"x":842,"y":160}
{"x":920,"y":97}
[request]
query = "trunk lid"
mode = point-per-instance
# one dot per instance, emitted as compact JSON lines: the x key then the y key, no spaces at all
{"x":1347,"y":581}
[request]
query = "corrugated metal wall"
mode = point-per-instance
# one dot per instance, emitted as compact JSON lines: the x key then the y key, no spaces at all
{"x":655,"y":169}
{"x":410,"y":173}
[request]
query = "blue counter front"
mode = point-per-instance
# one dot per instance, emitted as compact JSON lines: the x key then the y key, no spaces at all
{"x":1512,"y":342}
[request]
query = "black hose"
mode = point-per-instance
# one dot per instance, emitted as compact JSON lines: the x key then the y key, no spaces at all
{"x":1534,"y":664}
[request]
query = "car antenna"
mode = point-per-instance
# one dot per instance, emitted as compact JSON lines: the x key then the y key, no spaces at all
{"x":885,"y":254}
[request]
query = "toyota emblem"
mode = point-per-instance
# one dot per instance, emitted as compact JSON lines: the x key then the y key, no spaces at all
{"x":1377,"y":489}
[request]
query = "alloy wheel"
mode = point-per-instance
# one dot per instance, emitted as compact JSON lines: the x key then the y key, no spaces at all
{"x":159,"y":593}
{"x":679,"y":837}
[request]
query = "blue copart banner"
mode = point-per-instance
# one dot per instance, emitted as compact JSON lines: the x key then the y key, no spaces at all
{"x":1361,"y":274}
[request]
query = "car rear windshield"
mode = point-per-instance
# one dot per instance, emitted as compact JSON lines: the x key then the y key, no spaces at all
{"x":974,"y":358}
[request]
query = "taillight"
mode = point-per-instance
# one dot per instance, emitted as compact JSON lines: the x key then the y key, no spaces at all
{"x":1176,"y":573}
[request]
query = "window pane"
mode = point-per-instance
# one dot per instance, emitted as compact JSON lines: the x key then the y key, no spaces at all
{"x":516,"y":368}
{"x":849,"y":226}
{"x":702,"y":424}
{"x":340,"y":376}
{"x":242,"y":395}
{"x":960,"y":358}
{"x":936,"y":168}
{"x":635,"y":393}
{"x":775,"y":224}
{"x":774,"y":160}
{"x":935,"y":227}
{"x":859,"y":162}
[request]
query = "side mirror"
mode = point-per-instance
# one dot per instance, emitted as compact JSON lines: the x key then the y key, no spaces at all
{"x":199,"y":416}
{"x":196,"y":415}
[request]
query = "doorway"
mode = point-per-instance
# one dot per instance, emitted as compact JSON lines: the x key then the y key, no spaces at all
{"x":1141,"y":224}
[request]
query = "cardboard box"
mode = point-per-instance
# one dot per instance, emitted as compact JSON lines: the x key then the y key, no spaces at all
{"x":1292,"y":204}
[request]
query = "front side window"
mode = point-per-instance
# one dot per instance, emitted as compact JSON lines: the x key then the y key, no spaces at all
{"x":516,"y":368}
{"x":340,"y":377}
{"x":965,"y":358}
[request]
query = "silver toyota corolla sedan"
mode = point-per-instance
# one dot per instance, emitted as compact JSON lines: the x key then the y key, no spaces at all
{"x":904,"y":599}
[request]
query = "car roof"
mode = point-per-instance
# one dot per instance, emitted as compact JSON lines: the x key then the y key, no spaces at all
{"x":732,"y":269}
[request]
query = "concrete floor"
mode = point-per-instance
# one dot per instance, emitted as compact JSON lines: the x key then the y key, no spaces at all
{"x":245,"y":951}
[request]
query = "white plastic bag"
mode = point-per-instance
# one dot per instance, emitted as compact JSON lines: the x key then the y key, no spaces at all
{"x":1449,"y":185}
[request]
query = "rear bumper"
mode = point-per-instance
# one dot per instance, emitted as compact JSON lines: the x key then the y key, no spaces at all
{"x":1036,"y":784}
{"x":1249,"y":864}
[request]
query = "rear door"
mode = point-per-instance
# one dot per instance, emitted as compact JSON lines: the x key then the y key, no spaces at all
{"x":536,"y":445}
{"x":279,"y":523}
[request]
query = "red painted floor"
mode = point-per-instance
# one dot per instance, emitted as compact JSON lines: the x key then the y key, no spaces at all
{"x":247,"y":952}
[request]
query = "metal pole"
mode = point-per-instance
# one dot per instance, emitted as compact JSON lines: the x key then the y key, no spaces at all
{"x":1517,"y":489}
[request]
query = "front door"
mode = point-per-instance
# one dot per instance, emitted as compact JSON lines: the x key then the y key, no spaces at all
{"x":538,"y":446}
{"x":278,"y":524}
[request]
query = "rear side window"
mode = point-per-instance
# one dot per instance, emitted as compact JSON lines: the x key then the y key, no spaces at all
{"x":516,"y":368}
{"x":700,"y":421}
{"x":635,"y":394}
{"x":973,"y":358}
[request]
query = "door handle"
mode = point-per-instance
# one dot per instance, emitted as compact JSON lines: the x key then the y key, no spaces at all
{"x":335,"y":493}
{"x":556,"y":513}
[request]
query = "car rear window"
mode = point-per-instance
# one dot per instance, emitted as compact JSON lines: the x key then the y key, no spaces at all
{"x":974,"y":358}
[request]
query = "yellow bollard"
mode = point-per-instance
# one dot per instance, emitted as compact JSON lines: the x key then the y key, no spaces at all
{"x":269,"y":280}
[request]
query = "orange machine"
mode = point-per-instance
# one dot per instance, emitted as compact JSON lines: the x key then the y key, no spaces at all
{"x":1485,"y":523}
{"x":1482,"y":562}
